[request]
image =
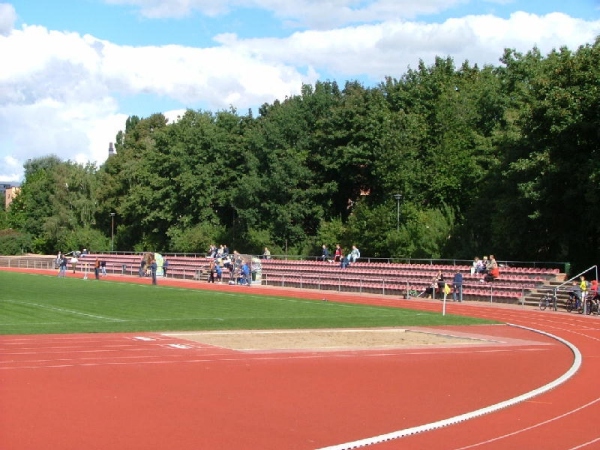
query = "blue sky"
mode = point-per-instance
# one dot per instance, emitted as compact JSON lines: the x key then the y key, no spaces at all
{"x":74,"y":70}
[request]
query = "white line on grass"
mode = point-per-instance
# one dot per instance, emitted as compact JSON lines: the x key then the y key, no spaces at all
{"x":64,"y":310}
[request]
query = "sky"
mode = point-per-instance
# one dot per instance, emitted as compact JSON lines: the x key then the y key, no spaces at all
{"x":72,"y":71}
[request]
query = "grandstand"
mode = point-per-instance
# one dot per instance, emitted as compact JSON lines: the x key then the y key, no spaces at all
{"x":516,"y":285}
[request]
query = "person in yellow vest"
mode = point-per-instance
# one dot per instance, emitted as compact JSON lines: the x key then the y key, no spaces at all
{"x":584,"y":288}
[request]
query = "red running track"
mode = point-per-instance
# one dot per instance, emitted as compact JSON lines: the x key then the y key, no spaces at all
{"x":151,"y":391}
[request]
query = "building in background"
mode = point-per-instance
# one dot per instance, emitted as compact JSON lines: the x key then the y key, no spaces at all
{"x":8,"y":192}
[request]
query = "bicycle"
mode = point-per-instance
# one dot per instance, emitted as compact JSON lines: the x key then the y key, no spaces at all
{"x":592,"y":305}
{"x":574,"y":303}
{"x":548,"y":300}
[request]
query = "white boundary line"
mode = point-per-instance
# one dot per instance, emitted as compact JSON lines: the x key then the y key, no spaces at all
{"x":471,"y":415}
{"x":64,"y":310}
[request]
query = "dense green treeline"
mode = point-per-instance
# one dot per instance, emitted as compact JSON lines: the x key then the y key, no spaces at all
{"x":500,"y":159}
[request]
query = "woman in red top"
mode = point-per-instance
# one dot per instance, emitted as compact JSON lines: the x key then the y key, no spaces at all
{"x":338,"y":253}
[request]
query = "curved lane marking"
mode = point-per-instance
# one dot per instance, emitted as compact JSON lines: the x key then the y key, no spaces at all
{"x":477,"y":413}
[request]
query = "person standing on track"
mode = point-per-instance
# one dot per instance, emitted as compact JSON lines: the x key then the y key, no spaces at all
{"x":153,"y":268}
{"x":457,"y":285}
{"x":62,"y":267}
{"x":584,"y":288}
{"x":97,"y":269}
{"x":211,"y":271}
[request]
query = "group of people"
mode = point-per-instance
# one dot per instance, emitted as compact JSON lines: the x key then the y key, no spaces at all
{"x":149,"y":266}
{"x":488,"y":268}
{"x":583,"y":290}
{"x":440,"y":286}
{"x":214,"y":252}
{"x":339,"y":257}
{"x":99,"y":268}
{"x":62,"y":263}
{"x":239,"y":266}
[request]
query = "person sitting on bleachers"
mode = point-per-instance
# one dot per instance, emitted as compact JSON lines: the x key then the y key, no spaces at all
{"x":493,"y":271}
{"x":354,"y":254}
{"x":476,"y":266}
{"x":484,"y":266}
{"x":437,"y":285}
{"x":325,"y":254}
{"x":337,"y":257}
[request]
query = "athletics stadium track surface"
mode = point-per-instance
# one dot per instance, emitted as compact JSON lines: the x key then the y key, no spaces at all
{"x":153,"y":391}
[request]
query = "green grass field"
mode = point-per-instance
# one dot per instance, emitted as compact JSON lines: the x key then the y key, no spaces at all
{"x":39,"y":304}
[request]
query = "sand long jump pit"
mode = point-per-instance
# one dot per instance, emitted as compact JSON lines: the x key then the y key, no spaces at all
{"x":332,"y":339}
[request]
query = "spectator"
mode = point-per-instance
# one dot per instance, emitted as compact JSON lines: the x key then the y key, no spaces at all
{"x":593,"y":290}
{"x":493,"y":271}
{"x":96,"y":269}
{"x":325,"y":253}
{"x":165,"y":266}
{"x":576,"y":293}
{"x":457,"y":287}
{"x":153,"y":268}
{"x":211,"y":271}
{"x":337,"y":257}
{"x":344,"y":262}
{"x":441,"y":283}
{"x":476,"y":266}
{"x":354,"y":254}
{"x":62,"y":267}
{"x":437,"y":284}
{"x":212,"y":251}
{"x":226,"y":262}
{"x":74,"y":262}
{"x":593,"y":293}
{"x":245,"y":278}
{"x":219,"y":271}
{"x":267,"y":253}
{"x":484,"y":266}
{"x":103,"y":268}
{"x":584,"y":287}
{"x":142,"y":265}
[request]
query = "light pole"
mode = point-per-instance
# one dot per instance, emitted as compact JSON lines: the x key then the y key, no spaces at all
{"x":398,"y":197}
{"x":112,"y":232}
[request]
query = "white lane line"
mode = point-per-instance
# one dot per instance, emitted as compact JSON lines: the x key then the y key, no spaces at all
{"x":537,"y":425}
{"x":471,"y":415}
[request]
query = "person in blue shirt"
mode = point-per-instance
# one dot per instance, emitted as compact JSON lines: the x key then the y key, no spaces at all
{"x":245,"y":274}
{"x":153,"y":268}
{"x":325,"y":253}
{"x":457,"y":287}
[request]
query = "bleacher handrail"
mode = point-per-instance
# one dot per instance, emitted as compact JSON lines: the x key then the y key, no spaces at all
{"x":561,"y":265}
{"x":575,"y":277}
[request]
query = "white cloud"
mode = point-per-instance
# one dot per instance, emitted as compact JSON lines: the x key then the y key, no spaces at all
{"x":59,"y":91}
{"x":214,"y":76}
{"x":390,"y":47}
{"x":312,"y":13}
{"x":10,"y":169}
{"x":8,"y":16}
